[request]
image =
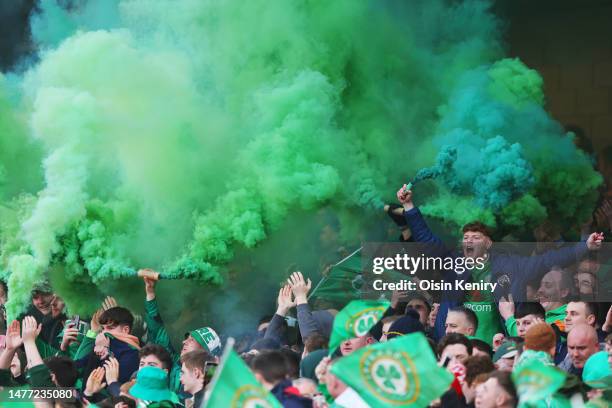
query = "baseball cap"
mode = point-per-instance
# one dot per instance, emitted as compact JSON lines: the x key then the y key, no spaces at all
{"x":506,"y":350}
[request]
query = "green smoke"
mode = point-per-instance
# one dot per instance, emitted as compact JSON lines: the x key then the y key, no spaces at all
{"x":200,"y":137}
{"x":512,"y":157}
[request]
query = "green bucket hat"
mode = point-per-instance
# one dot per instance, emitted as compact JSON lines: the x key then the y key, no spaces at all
{"x":207,"y":338}
{"x":152,"y":385}
{"x":597,"y":372}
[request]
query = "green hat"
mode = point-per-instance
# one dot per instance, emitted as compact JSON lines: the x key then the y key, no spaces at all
{"x":207,"y":338}
{"x":506,"y":350}
{"x":152,"y":385}
{"x":597,"y":369}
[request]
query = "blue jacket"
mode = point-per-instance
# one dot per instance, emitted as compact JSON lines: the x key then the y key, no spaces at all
{"x":518,"y":270}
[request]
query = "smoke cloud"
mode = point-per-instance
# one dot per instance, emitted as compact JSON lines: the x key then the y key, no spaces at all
{"x":215,"y":141}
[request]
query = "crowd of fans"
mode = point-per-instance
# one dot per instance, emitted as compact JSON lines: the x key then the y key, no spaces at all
{"x":117,"y":359}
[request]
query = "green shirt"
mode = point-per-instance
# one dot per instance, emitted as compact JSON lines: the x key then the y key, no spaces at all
{"x":482,"y":303}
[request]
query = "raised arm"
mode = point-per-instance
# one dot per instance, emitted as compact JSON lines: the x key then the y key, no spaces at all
{"x":285,"y":303}
{"x":414,"y":218}
{"x":13,"y":341}
{"x":157,"y":333}
{"x":306,"y":322}
{"x":532,"y":266}
{"x":30,"y":329}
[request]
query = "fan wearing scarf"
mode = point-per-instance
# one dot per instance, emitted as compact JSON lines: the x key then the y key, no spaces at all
{"x":110,"y":338}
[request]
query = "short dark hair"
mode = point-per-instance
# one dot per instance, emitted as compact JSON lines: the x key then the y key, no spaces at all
{"x":590,"y":307}
{"x":504,"y":379}
{"x":272,"y":366}
{"x":469,"y":315}
{"x":454,"y":338}
{"x":159,"y":352}
{"x":482,"y":346}
{"x":476,"y":365}
{"x":477,"y":226}
{"x":292,"y":360}
{"x":64,"y":369}
{"x":117,"y":316}
{"x":529,"y":308}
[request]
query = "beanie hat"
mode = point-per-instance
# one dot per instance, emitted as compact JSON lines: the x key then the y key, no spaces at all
{"x":405,"y":325}
{"x":207,"y":338}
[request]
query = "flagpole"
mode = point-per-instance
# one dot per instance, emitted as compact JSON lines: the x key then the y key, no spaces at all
{"x":312,"y":292}
{"x":229,"y":345}
{"x":348,"y":256}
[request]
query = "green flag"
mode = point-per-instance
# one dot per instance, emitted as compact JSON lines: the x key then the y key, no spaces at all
{"x":355,"y":320}
{"x":536,"y":384}
{"x":401,"y":372}
{"x":235,"y":386}
{"x":341,"y":283}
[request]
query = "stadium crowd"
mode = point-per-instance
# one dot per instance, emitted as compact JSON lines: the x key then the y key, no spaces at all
{"x":116,"y":359}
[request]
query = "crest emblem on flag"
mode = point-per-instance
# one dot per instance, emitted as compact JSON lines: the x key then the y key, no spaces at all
{"x":249,"y":396}
{"x":362,"y":322}
{"x":390,"y":376}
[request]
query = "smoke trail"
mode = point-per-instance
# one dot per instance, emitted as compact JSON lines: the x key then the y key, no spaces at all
{"x":180,"y":134}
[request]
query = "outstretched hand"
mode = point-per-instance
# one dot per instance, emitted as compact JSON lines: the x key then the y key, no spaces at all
{"x":30,"y":329}
{"x":300,"y":287}
{"x":95,"y":321}
{"x":109,"y":302}
{"x":285,"y":300}
{"x":111,"y":369}
{"x":95,"y":382}
{"x":13,"y":338}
